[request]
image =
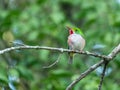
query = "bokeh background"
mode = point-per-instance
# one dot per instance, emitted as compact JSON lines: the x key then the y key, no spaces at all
{"x":43,"y":22}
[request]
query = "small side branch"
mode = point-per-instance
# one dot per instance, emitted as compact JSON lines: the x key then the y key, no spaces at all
{"x":102,"y":76}
{"x":51,"y":65}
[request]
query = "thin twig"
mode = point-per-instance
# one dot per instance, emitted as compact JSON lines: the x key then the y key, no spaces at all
{"x":102,"y":75}
{"x":18,"y":44}
{"x":54,"y":63}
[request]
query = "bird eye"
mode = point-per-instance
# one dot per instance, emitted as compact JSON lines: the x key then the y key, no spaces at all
{"x":75,"y":29}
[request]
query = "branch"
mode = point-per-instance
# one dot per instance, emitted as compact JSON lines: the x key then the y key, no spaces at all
{"x":54,"y":49}
{"x":110,"y":57}
{"x":92,"y":68}
{"x":53,"y":63}
{"x":102,"y":75}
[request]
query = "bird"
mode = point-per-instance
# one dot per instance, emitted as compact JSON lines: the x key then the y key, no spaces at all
{"x":75,"y":41}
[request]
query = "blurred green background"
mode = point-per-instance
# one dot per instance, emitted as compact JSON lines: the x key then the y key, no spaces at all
{"x":43,"y":22}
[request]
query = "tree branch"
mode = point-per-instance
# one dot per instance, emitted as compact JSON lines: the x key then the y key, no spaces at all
{"x":102,"y":75}
{"x":114,"y":52}
{"x":110,"y":57}
{"x":53,"y":49}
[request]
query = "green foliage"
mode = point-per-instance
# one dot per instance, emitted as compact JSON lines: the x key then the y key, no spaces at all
{"x":43,"y":22}
{"x":3,"y":78}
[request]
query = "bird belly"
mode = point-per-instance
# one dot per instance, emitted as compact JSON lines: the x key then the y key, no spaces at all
{"x":76,"y":45}
{"x":76,"y":42}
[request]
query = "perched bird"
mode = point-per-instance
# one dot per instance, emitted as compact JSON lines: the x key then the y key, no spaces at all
{"x":75,"y":41}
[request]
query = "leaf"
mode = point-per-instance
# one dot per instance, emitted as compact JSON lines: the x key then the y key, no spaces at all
{"x":3,"y":77}
{"x":24,"y":72}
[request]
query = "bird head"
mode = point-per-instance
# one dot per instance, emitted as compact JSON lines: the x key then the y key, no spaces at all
{"x":75,"y":30}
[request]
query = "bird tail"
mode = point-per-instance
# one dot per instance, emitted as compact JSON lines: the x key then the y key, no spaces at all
{"x":71,"y":58}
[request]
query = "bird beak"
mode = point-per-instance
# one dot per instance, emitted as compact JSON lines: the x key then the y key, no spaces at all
{"x":68,"y":28}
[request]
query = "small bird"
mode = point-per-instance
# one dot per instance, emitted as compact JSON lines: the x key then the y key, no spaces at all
{"x":75,"y":41}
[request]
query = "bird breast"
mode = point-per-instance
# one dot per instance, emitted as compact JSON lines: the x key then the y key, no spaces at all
{"x":76,"y":42}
